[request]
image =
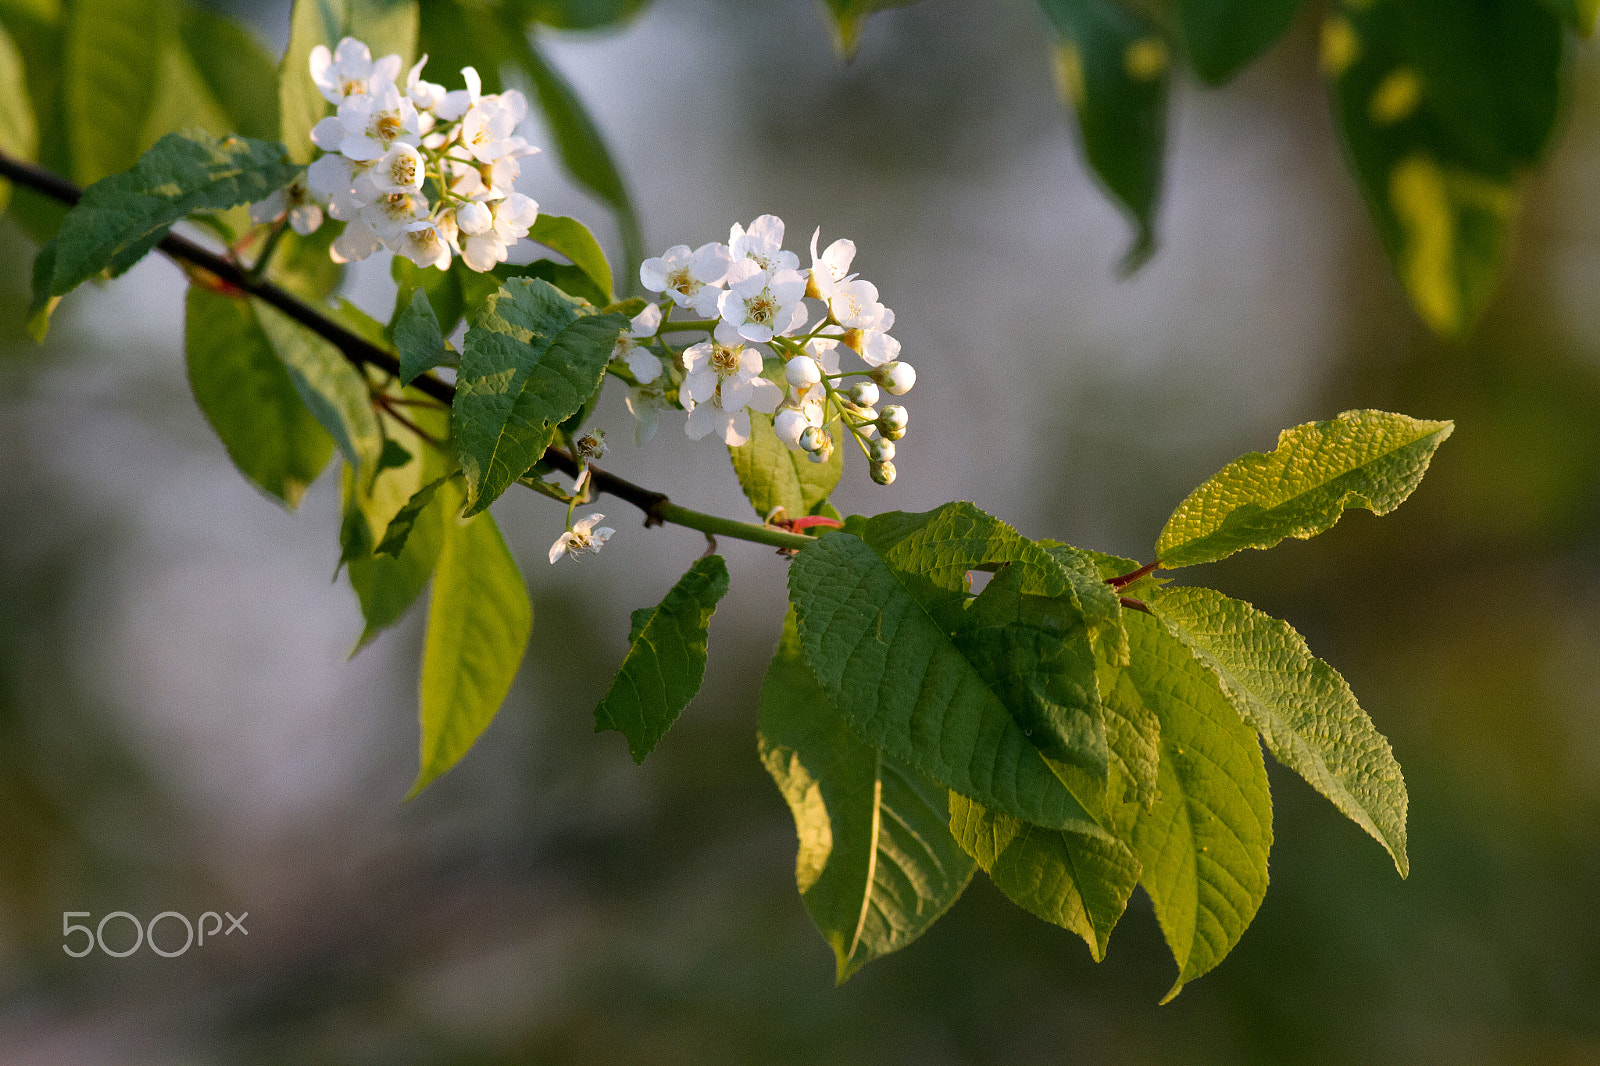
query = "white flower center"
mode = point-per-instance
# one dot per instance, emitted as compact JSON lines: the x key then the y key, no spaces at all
{"x":761,"y":308}
{"x":386,"y":125}
{"x":725,"y":360}
{"x":404,"y":171}
{"x":351,"y":86}
{"x":680,"y":280}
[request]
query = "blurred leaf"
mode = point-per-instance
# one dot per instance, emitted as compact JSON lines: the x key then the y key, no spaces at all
{"x":877,"y":865}
{"x":1298,"y":703}
{"x":772,"y":476}
{"x":247,"y":396}
{"x":1443,"y":105}
{"x":1580,"y":14}
{"x":385,"y":26}
{"x":847,"y":17}
{"x":1204,"y":844}
{"x":39,"y":32}
{"x":418,"y":339}
{"x":895,"y":673}
{"x":564,"y":276}
{"x":579,"y":14}
{"x":1224,"y":36}
{"x":478,"y":626}
{"x":465,"y":33}
{"x":1367,"y":459}
{"x":1078,"y":882}
{"x":531,"y":359}
{"x":182,"y":101}
{"x":334,"y":391}
{"x":1112,"y":66}
{"x":302,"y":265}
{"x":237,"y":71}
{"x":572,"y":239}
{"x":113,"y":65}
{"x":19,"y":135}
{"x":666,"y":659}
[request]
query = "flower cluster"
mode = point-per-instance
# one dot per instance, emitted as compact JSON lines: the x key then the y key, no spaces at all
{"x":423,"y":172}
{"x":751,"y":297}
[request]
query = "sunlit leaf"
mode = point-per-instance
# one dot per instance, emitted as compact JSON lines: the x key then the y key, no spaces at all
{"x":334,"y":391}
{"x":113,"y":54}
{"x":572,"y":239}
{"x":773,"y":476}
{"x":19,"y":134}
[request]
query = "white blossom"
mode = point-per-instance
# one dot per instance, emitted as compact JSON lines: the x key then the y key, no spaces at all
{"x":425,"y":95}
{"x":400,"y":169}
{"x":582,"y":539}
{"x":295,"y":199}
{"x":802,"y":372}
{"x":358,"y":241}
{"x":692,"y":279}
{"x":458,"y":103}
{"x":761,"y":305}
{"x":426,"y":243}
{"x":645,"y":404}
{"x":373,"y":121}
{"x":723,"y":379}
{"x":488,"y":128}
{"x":641,"y":361}
{"x":762,"y":244}
{"x":349,"y":70}
{"x":831,"y":267}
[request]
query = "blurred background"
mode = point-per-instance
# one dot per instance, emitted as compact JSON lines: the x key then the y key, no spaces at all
{"x":179,"y":729}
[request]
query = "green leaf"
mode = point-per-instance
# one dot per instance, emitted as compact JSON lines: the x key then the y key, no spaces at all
{"x":848,"y":15}
{"x":385,"y":26}
{"x":579,"y":14}
{"x":398,"y":530}
{"x":302,"y":265}
{"x":1579,"y":14}
{"x":1298,"y":703}
{"x":895,"y":673}
{"x":19,"y":134}
{"x":1112,"y":68}
{"x":418,"y":338}
{"x":247,"y":396}
{"x":572,"y":239}
{"x":1078,"y":882}
{"x":1203,"y":847}
{"x":1443,"y":106}
{"x":478,"y":626}
{"x":1368,"y":459}
{"x":877,"y":865}
{"x":1133,"y":732}
{"x":532,"y":358}
{"x":443,"y":288}
{"x":1223,"y":36}
{"x":772,"y":476}
{"x":236,"y":70}
{"x":182,"y":101}
{"x":113,"y":53}
{"x":666,"y":659}
{"x":568,"y":278}
{"x":334,"y":391}
{"x":39,"y":32}
{"x":122,"y":217}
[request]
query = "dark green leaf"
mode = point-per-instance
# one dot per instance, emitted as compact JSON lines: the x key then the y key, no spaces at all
{"x":385,"y":26}
{"x":443,"y":288}
{"x":19,"y":135}
{"x":1223,"y":36}
{"x":666,"y":659}
{"x":572,"y":239}
{"x":417,"y":336}
{"x":113,"y":54}
{"x":1580,"y":14}
{"x":398,"y":530}
{"x":568,"y":278}
{"x":531,"y":359}
{"x":39,"y":32}
{"x":877,"y":865}
{"x":302,"y":265}
{"x":247,"y":396}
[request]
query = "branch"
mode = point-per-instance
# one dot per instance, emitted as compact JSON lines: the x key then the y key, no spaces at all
{"x":362,"y":352}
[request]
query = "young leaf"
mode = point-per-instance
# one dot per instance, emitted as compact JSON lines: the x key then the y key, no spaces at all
{"x":572,"y":239}
{"x":113,"y":53}
{"x":1078,"y":882}
{"x":478,"y":626}
{"x":247,"y":396}
{"x":1443,"y":105}
{"x":398,"y":530}
{"x":1224,"y":36}
{"x":1203,"y":847}
{"x":531,"y":359}
{"x":877,"y":865}
{"x":19,"y":135}
{"x":385,"y":26}
{"x":122,"y":217}
{"x":666,"y":659}
{"x":895,"y":673}
{"x":1112,"y":68}
{"x":1298,"y":703}
{"x":419,"y":339}
{"x":334,"y":391}
{"x":848,"y":15}
{"x":772,"y":476}
{"x":235,"y":69}
{"x":1369,"y":459}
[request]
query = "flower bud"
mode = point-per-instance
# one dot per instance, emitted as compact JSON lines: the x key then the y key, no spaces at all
{"x":864,"y":393}
{"x":892,"y":423}
{"x":883,"y":473}
{"x":897,"y":377}
{"x":802,"y":372}
{"x":866,"y":414}
{"x":880,"y":451}
{"x":812,"y":439}
{"x":790,"y":425}
{"x":474,"y":218}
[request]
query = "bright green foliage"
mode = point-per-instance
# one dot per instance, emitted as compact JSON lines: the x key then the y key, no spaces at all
{"x":245,"y":393}
{"x":123,"y":217}
{"x":877,"y":865}
{"x":19,"y":134}
{"x":334,"y":392}
{"x":419,"y":339}
{"x":579,"y":14}
{"x":1203,"y":846}
{"x":773,"y":476}
{"x":1081,"y":883}
{"x":666,"y":659}
{"x":113,"y":53}
{"x":848,"y":15}
{"x":1443,"y":105}
{"x":385,"y":26}
{"x":236,"y":71}
{"x":398,"y":531}
{"x":532,"y":358}
{"x":1298,"y":703}
{"x":1112,"y":66}
{"x":1369,"y":459}
{"x":1223,"y":36}
{"x":572,"y":239}
{"x":890,"y":665}
{"x":478,"y":626}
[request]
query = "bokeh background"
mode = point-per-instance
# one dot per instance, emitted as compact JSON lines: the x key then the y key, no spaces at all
{"x":179,"y":729}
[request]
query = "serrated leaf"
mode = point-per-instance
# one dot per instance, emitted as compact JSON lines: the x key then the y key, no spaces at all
{"x":772,"y":476}
{"x":385,"y":26}
{"x":1112,"y":69}
{"x":894,"y":672}
{"x":1203,"y":846}
{"x":113,"y":53}
{"x":1443,"y":105}
{"x":334,"y":392}
{"x":847,"y":17}
{"x":478,"y":625}
{"x":1223,"y":36}
{"x":1368,"y":459}
{"x":1299,"y":704}
{"x":568,"y":278}
{"x":443,"y":288}
{"x":666,"y":659}
{"x":877,"y":865}
{"x":531,"y":360}
{"x":236,"y":70}
{"x":418,"y":339}
{"x":19,"y":134}
{"x":1078,"y":882}
{"x":245,"y":392}
{"x":398,"y":530}
{"x":572,"y":239}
